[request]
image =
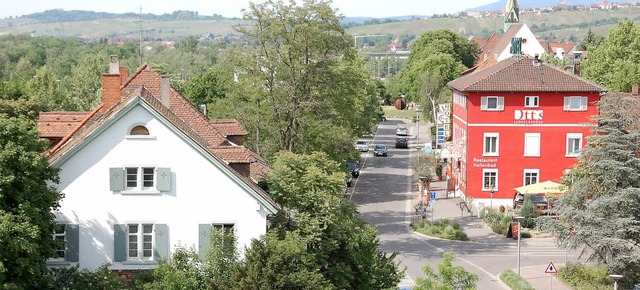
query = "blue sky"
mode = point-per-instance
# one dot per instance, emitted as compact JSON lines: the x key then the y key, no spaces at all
{"x":231,"y":8}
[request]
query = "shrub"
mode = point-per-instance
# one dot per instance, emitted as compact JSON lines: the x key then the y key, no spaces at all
{"x":445,"y":229}
{"x":514,"y":281}
{"x":525,"y":235}
{"x":579,"y":276}
{"x":73,"y":278}
{"x":528,"y":211}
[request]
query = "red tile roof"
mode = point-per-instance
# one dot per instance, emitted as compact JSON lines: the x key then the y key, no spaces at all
{"x":229,"y":127}
{"x":59,"y":124}
{"x":522,"y":74}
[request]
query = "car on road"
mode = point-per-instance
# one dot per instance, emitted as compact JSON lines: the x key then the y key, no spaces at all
{"x":362,"y":145}
{"x":380,"y":150}
{"x":402,"y":131}
{"x":402,"y":142}
{"x":354,"y":169}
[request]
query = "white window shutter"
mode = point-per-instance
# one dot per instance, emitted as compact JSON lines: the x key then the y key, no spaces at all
{"x":567,"y":101}
{"x":483,"y":103}
{"x":583,"y":103}
{"x":501,"y":103}
{"x":163,"y":179}
{"x":116,"y":179}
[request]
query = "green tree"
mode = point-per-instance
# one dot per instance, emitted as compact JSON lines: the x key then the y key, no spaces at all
{"x":528,"y":211}
{"x":336,"y":241}
{"x":449,"y":277}
{"x":27,"y":196}
{"x":207,"y":88}
{"x":615,"y":63}
{"x":601,"y":209}
{"x":300,"y":84}
{"x":42,"y":88}
{"x":84,"y":84}
{"x":591,"y":41}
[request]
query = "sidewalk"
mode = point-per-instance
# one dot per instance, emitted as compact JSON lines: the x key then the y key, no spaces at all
{"x":447,"y":207}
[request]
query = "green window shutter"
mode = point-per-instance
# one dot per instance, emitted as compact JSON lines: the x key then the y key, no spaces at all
{"x":163,"y":179}
{"x":72,"y":251}
{"x":204,"y":233}
{"x":161,"y":249}
{"x":116,"y":179}
{"x":119,"y":243}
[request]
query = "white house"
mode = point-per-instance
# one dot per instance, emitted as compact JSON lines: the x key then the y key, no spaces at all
{"x":142,"y":175}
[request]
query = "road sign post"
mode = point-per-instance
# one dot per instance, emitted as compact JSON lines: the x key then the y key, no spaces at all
{"x":551,"y":270}
{"x":433,"y":204}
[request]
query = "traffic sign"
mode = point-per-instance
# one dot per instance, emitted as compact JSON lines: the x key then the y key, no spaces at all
{"x":551,"y":269}
{"x":433,"y":196}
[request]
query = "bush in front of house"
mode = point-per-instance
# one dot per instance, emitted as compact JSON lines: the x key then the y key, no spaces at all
{"x":579,"y":276}
{"x":444,"y":229}
{"x":74,"y":279}
{"x":497,"y":221}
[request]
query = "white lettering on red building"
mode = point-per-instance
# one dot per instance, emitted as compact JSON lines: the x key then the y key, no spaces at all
{"x":485,"y":162}
{"x":527,"y":116}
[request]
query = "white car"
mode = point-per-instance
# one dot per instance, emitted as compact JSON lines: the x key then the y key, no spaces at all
{"x":402,"y":131}
{"x":362,"y":145}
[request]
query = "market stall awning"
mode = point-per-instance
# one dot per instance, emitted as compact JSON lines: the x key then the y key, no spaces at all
{"x":542,"y":187}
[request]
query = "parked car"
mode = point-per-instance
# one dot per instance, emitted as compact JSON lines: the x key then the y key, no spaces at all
{"x":539,"y":201}
{"x":362,"y":145}
{"x":380,"y":150}
{"x":402,"y":131}
{"x":354,"y":170}
{"x":402,"y":142}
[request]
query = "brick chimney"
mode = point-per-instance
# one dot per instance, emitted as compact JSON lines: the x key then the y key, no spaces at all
{"x":111,"y":83}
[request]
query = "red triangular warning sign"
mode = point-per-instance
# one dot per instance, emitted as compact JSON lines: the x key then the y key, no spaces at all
{"x":551,"y":269}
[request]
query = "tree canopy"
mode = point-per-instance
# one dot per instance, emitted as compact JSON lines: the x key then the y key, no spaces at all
{"x":27,"y":197}
{"x":601,"y":209}
{"x":615,"y":62}
{"x":300,"y":84}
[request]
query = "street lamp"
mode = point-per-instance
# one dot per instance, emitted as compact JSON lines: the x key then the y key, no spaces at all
{"x":518,"y":218}
{"x":491,"y":195}
{"x":615,"y":279}
{"x":418,"y":126}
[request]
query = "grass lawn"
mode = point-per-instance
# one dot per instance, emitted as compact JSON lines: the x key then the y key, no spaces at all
{"x":392,"y":112}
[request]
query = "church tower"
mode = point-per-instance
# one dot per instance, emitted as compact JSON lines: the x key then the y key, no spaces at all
{"x":511,"y":14}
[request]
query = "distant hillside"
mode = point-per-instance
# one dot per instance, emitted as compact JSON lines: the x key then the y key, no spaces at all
{"x":59,"y":15}
{"x":498,"y":5}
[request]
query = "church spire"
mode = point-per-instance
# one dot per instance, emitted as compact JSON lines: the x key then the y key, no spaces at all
{"x":511,"y":14}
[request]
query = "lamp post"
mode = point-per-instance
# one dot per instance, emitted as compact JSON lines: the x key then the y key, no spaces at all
{"x":518,"y":218}
{"x":491,"y":195}
{"x":615,"y":279}
{"x":418,"y":126}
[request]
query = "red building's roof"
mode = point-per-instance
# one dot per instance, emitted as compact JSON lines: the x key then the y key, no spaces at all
{"x":523,"y":74}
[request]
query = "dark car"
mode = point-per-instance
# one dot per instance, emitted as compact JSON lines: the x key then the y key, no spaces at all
{"x":380,"y":150}
{"x":402,"y":142}
{"x":354,"y":169}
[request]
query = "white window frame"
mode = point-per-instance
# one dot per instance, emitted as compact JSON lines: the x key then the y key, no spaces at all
{"x":484,"y":144}
{"x":531,"y":172}
{"x":572,"y":100}
{"x":139,"y":178}
{"x":528,"y":100}
{"x":484,"y":103}
{"x":488,"y":187}
{"x":60,"y":236}
{"x":527,"y":137}
{"x":140,"y":242}
{"x":569,"y":150}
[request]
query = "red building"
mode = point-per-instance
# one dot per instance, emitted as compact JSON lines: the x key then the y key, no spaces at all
{"x":517,"y":122}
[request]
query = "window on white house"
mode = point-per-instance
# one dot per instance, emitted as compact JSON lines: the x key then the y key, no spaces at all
{"x":140,"y":178}
{"x":531,"y":101}
{"x":492,"y":103}
{"x":531,"y":176}
{"x":574,"y":103}
{"x":60,"y":240}
{"x":574,"y":144}
{"x":140,"y":241}
{"x":532,"y":144}
{"x":490,"y":179}
{"x":491,"y":144}
{"x":139,"y":130}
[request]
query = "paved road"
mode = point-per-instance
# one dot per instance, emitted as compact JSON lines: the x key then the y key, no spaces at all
{"x":385,"y":194}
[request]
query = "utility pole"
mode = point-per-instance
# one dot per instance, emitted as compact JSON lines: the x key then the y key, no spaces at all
{"x":141,"y":34}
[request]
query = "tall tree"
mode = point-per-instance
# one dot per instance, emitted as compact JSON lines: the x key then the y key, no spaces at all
{"x":300,"y":82}
{"x":448,"y":277}
{"x":601,"y":209}
{"x":27,"y":197}
{"x":336,"y":242}
{"x":84,"y":84}
{"x":43,"y":89}
{"x":615,"y":63}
